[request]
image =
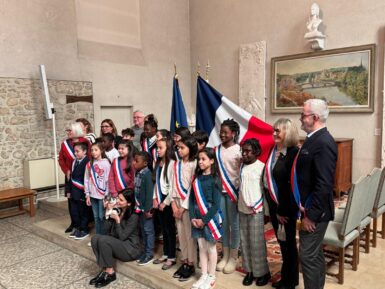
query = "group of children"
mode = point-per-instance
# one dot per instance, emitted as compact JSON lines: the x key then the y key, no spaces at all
{"x":197,"y":193}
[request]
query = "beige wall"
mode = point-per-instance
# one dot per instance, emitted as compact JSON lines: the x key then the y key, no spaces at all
{"x":45,"y":31}
{"x":218,"y":27}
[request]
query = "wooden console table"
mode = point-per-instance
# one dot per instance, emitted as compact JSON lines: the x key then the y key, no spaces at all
{"x":18,"y":194}
{"x":343,"y":175}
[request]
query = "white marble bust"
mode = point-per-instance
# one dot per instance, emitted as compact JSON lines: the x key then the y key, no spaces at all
{"x":314,"y":22}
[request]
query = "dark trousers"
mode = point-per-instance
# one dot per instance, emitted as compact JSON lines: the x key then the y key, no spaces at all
{"x":79,"y":214}
{"x":289,"y":270}
{"x":167,"y":221}
{"x":148,"y":234}
{"x":107,"y":249}
{"x":312,"y":256}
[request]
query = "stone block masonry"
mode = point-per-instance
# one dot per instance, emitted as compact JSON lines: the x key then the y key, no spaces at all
{"x":24,"y":131}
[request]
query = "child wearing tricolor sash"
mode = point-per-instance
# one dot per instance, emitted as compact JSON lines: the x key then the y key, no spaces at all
{"x":251,"y":217}
{"x":229,"y":157}
{"x":122,"y":173}
{"x":184,"y":171}
{"x":96,"y":183}
{"x":162,"y":200}
{"x":206,"y":216}
{"x":67,"y":156}
{"x":79,"y":211}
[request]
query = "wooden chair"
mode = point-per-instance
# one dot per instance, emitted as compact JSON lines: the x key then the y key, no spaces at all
{"x":379,"y":209}
{"x":342,"y":234}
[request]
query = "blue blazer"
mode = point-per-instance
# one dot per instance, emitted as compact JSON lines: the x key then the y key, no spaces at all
{"x":316,"y":167}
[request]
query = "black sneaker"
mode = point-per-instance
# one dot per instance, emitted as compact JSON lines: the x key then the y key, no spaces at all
{"x":74,"y":233}
{"x":81,"y":235}
{"x":97,"y":278}
{"x":187,"y":273}
{"x":178,"y":272}
{"x":145,"y":261}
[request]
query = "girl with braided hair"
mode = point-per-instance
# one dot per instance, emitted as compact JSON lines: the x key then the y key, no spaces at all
{"x":229,"y":157}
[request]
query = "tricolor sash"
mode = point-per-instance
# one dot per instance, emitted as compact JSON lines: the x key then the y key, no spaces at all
{"x":271,"y":184}
{"x":68,"y":149}
{"x":148,"y":146}
{"x":227,"y":184}
{"x":94,"y":180}
{"x":158,"y":189}
{"x":294,"y":185}
{"x":182,"y":191}
{"x":118,"y":172}
{"x":259,"y":203}
{"x":137,"y":206}
{"x":76,"y":183}
{"x":215,"y":223}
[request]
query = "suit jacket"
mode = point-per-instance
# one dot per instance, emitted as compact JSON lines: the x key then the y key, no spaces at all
{"x":316,"y":166}
{"x":281,"y":172}
{"x":77,"y":174}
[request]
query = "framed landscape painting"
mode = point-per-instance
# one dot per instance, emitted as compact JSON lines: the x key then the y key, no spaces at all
{"x":343,"y":77}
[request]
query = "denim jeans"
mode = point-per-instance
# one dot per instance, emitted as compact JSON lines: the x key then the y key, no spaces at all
{"x":98,"y":211}
{"x":148,"y":234}
{"x":230,"y":224}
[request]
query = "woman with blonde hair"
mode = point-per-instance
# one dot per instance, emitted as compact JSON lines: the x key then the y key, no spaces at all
{"x":282,"y":206}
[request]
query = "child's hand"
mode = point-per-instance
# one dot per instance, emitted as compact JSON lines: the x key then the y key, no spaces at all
{"x":199,"y":223}
{"x":88,"y":201}
{"x":68,"y":175}
{"x":155,"y":204}
{"x":148,"y":215}
{"x":162,"y":206}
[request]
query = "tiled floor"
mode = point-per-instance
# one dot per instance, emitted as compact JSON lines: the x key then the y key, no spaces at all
{"x":30,"y":262}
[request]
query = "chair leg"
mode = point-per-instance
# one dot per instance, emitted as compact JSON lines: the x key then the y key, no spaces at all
{"x":374,"y":233}
{"x":341,"y":263}
{"x":383,"y":226}
{"x":356,"y":252}
{"x":367,"y":239}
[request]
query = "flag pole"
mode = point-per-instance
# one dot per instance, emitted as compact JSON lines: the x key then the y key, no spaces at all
{"x":198,"y":69}
{"x":175,"y":73}
{"x":207,"y":71}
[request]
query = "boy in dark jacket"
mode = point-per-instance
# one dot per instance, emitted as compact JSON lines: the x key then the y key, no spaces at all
{"x":79,"y":211}
{"x":143,"y":197}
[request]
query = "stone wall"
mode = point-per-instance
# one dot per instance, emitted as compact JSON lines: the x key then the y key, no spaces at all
{"x":24,"y":131}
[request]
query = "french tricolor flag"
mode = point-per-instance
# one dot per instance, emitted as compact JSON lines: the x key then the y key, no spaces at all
{"x":213,"y":108}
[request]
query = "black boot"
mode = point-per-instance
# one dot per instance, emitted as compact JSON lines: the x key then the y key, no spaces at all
{"x":263,"y":280}
{"x":248,"y":280}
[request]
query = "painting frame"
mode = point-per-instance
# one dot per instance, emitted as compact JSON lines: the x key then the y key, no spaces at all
{"x":295,"y":78}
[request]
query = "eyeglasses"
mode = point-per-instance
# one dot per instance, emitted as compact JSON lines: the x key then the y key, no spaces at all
{"x":305,"y":115}
{"x":277,"y":130}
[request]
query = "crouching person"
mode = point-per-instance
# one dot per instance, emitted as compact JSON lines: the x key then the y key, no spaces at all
{"x":120,"y":242}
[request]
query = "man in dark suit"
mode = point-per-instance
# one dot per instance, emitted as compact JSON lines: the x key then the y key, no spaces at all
{"x":315,"y":176}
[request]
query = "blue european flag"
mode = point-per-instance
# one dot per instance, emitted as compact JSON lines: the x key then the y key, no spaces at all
{"x":178,"y":112}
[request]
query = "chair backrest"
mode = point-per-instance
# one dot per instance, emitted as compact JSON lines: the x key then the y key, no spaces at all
{"x":354,"y":207}
{"x":380,"y":197}
{"x":371,"y":192}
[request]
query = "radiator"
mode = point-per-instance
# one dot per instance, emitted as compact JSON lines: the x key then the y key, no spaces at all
{"x":40,"y":173}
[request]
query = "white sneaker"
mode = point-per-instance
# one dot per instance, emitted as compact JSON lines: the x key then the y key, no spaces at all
{"x":200,"y":282}
{"x":209,"y":282}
